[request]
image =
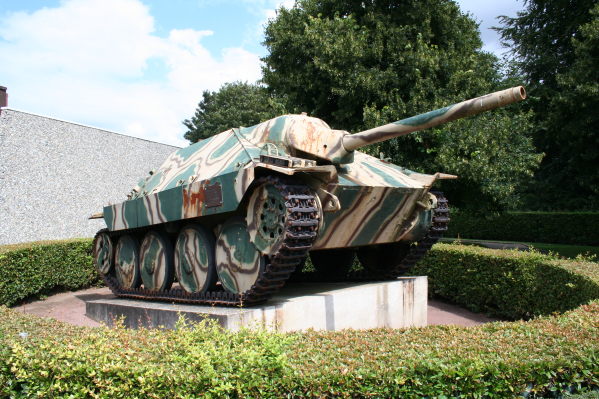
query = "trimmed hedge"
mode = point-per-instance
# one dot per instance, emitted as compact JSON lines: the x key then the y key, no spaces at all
{"x":507,"y":283}
{"x":545,"y":356}
{"x":577,"y":228}
{"x":35,"y":269}
{"x":539,"y":358}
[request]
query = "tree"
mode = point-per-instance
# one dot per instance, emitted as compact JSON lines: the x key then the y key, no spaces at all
{"x":233,"y":105}
{"x":362,"y":64}
{"x":556,"y":48}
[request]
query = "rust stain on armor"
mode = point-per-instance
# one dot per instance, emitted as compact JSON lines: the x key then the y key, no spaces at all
{"x":193,"y":199}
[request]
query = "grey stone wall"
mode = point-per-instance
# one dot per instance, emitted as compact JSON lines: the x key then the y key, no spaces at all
{"x":55,"y":174}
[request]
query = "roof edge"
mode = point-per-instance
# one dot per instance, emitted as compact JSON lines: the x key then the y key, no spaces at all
{"x":84,"y":125}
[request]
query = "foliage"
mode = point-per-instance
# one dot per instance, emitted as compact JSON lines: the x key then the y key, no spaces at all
{"x":44,"y":358}
{"x":233,"y":105}
{"x":205,"y":361}
{"x":538,"y":358}
{"x":579,"y":228}
{"x":587,"y":395}
{"x":26,"y":245}
{"x":567,"y":251}
{"x":588,"y":252}
{"x":509,"y":283}
{"x":357,"y":65}
{"x":555,"y":45}
{"x":37,"y":268}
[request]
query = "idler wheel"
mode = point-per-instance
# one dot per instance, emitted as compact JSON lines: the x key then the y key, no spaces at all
{"x":103,"y":252}
{"x":126,"y":262}
{"x":333,"y":264}
{"x":156,"y":261}
{"x":238,"y":262}
{"x":383,"y":257}
{"x":267,"y":218}
{"x":194,"y":259}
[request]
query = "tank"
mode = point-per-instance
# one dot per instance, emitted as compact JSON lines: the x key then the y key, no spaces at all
{"x":228,"y":220}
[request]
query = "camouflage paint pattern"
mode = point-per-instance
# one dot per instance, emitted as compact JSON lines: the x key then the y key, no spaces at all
{"x":434,"y":118}
{"x":126,"y":262}
{"x":178,"y":189}
{"x":103,"y":251}
{"x":379,"y":202}
{"x":155,"y":259}
{"x":266,"y":217}
{"x":366,"y":187}
{"x":238,"y":261}
{"x":194,"y":258}
{"x":368,"y":215}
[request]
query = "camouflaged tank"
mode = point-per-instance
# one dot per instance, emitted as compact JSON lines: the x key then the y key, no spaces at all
{"x":230,"y":218}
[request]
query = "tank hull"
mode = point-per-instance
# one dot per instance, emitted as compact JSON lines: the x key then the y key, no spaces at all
{"x":206,"y":186}
{"x":377,"y":200}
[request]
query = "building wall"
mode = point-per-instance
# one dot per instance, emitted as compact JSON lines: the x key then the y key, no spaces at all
{"x":55,"y":174}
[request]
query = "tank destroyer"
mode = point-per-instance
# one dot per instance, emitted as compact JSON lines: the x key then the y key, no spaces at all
{"x":227,"y":220}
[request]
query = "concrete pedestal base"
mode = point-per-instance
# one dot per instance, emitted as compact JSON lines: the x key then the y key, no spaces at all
{"x":321,"y":306}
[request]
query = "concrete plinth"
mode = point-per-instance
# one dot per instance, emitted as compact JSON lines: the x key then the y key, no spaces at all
{"x":321,"y":306}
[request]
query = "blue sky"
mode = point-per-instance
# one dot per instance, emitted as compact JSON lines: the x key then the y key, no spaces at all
{"x":139,"y":67}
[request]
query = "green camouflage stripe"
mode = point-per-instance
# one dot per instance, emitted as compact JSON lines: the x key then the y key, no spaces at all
{"x":155,"y":262}
{"x":126,"y":262}
{"x":238,"y":262}
{"x":193,"y":258}
{"x":368,"y":215}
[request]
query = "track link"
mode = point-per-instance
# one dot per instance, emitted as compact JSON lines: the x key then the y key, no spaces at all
{"x":301,"y":229}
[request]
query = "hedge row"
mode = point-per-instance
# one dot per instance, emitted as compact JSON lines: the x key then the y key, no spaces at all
{"x":42,"y":358}
{"x":550,"y":227}
{"x":507,"y":283}
{"x":28,"y":270}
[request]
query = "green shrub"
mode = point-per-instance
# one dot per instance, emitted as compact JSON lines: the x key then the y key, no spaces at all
{"x":506,"y":283}
{"x":38,"y":268}
{"x":497,"y":360}
{"x":577,"y":228}
{"x":588,"y":395}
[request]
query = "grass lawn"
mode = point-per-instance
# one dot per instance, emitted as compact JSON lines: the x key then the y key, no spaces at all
{"x":566,"y":251}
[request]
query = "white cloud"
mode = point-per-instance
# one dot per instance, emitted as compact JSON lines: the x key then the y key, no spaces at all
{"x":271,"y":13}
{"x":486,"y":15}
{"x":88,"y":61}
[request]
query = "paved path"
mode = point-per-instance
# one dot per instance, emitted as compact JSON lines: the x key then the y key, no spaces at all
{"x":67,"y":306}
{"x":445,"y":313}
{"x":70,"y":308}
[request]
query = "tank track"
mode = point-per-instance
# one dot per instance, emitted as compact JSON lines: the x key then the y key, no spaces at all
{"x":301,"y":232}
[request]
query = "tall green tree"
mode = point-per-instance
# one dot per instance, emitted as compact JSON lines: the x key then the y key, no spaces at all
{"x":556,"y":49}
{"x":233,"y":105}
{"x":362,"y":64}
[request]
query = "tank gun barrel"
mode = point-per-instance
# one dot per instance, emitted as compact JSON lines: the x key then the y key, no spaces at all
{"x":433,"y":118}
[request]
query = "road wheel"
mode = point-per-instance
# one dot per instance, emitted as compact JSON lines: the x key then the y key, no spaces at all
{"x":239,"y":263}
{"x":194,"y":259}
{"x":156,"y":261}
{"x":103,"y":253}
{"x":126,"y":262}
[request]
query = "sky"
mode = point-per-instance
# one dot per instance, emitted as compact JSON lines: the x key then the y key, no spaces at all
{"x":139,"y":67}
